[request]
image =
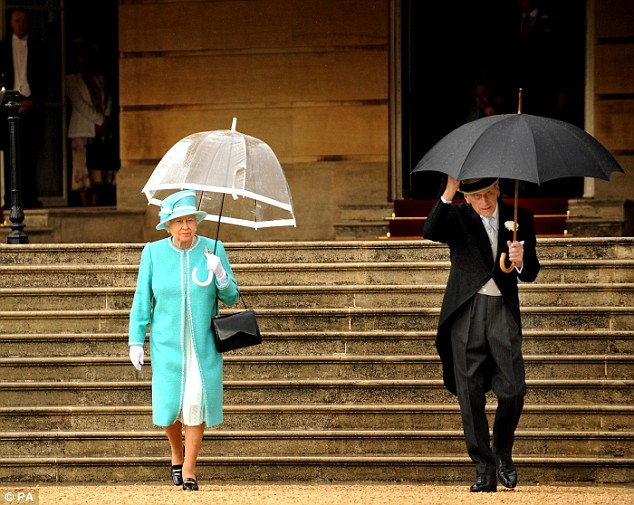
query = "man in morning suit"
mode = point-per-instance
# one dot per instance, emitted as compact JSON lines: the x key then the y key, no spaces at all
{"x":479,"y":338}
{"x":25,"y":67}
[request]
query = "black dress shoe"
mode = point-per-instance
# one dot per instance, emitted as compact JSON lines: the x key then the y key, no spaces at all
{"x":484,"y":484}
{"x":177,"y":475}
{"x":190,"y":484}
{"x":507,"y":474}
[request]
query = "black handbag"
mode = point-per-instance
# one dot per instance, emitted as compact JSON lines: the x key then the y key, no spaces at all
{"x":235,"y":331}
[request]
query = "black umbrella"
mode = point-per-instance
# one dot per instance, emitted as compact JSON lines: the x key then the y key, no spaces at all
{"x":519,"y":146}
{"x":522,"y":147}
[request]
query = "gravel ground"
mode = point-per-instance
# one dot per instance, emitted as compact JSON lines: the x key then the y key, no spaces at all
{"x":335,"y":494}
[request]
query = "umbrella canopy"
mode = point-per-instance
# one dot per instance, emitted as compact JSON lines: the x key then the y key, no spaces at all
{"x":238,"y":179}
{"x":519,"y":146}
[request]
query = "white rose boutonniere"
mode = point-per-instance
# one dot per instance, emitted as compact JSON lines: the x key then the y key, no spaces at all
{"x":509,"y":225}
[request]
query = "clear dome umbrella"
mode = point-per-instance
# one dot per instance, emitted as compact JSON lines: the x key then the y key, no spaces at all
{"x":238,"y":179}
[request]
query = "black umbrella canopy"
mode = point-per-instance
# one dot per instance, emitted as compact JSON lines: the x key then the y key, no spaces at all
{"x":519,"y":146}
{"x":522,"y":147}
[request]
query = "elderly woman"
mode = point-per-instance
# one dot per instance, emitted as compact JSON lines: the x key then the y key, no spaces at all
{"x":186,"y":367}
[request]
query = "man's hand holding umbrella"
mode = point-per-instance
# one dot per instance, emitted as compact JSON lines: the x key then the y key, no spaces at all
{"x":516,"y":253}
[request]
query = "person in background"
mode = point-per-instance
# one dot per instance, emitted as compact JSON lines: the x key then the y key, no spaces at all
{"x":479,"y":336}
{"x":91,"y":107}
{"x":25,"y":67}
{"x":484,"y":104}
{"x":187,"y":387}
{"x":540,"y":64}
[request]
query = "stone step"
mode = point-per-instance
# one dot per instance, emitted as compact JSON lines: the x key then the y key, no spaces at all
{"x":318,"y":416}
{"x":386,"y":343}
{"x":336,"y":442}
{"x":312,"y":274}
{"x":370,"y":230}
{"x":63,"y":298}
{"x":534,"y":294}
{"x":57,"y":225}
{"x":563,"y":249}
{"x":576,"y":294}
{"x":70,"y":254}
{"x":369,"y":212}
{"x":100,"y":368}
{"x":325,"y":319}
{"x":430,"y":295}
{"x":68,"y":276}
{"x":418,"y":273}
{"x":260,"y":392}
{"x":222,"y":470}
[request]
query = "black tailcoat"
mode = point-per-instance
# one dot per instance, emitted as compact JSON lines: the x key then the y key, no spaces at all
{"x":472,"y":264}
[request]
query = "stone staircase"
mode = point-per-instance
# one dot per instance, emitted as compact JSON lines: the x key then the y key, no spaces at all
{"x":345,"y":387}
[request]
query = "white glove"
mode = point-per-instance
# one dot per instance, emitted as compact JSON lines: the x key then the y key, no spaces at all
{"x":136,"y":356}
{"x":214,"y":265}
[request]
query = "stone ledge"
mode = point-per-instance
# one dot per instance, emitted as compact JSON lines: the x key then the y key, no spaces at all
{"x":600,"y":218}
{"x":81,"y":225}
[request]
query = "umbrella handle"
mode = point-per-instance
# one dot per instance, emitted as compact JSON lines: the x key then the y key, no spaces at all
{"x":503,"y":267}
{"x":210,"y":277}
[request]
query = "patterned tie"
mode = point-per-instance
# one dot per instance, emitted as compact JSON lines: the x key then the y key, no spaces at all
{"x":489,"y":225}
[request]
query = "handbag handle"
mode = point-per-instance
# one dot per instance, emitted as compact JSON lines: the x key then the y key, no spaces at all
{"x":241,"y":298}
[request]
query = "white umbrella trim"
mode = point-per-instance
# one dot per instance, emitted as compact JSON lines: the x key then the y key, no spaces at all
{"x":251,"y":224}
{"x":215,"y":189}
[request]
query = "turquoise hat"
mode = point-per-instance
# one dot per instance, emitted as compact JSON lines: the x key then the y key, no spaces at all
{"x":178,"y":205}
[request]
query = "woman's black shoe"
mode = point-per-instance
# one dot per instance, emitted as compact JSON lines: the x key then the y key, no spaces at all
{"x":190,"y":484}
{"x":177,"y":475}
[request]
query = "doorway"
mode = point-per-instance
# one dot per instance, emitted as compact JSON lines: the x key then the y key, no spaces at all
{"x":449,"y":47}
{"x":45,"y":24}
{"x":58,"y":23}
{"x":94,"y":25}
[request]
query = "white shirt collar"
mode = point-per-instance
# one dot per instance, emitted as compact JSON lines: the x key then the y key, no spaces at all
{"x":18,"y":40}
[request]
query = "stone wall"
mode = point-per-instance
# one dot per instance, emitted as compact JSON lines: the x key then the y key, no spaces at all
{"x":610,"y":89}
{"x":310,"y":78}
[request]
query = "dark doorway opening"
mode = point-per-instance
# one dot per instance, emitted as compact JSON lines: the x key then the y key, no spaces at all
{"x":96,"y":23}
{"x":448,"y":47}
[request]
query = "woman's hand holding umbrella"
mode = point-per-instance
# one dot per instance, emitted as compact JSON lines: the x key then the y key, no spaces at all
{"x":214,"y":266}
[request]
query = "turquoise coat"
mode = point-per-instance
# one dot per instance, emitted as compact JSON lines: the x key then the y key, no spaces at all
{"x":165,"y":295}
